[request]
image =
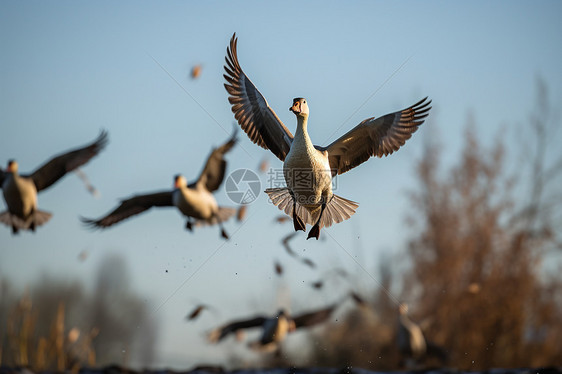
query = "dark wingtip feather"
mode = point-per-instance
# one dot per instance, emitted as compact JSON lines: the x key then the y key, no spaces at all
{"x":90,"y":223}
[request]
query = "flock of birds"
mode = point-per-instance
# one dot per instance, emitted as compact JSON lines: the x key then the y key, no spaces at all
{"x":307,"y":199}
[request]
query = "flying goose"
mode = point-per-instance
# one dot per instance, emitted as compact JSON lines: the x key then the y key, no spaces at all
{"x":20,"y":191}
{"x":274,"y":328}
{"x":308,"y":169}
{"x":194,"y":200}
{"x":412,"y":343}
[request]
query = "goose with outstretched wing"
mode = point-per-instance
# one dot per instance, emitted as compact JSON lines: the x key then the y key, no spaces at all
{"x":308,"y":169}
{"x":20,"y":191}
{"x":274,"y":328}
{"x":194,"y":200}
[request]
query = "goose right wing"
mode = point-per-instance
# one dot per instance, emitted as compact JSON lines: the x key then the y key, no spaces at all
{"x":58,"y":166}
{"x":220,"y":333}
{"x":251,"y":110}
{"x":130,"y":207}
{"x":315,"y":317}
{"x":215,"y":167}
{"x":3,"y":176}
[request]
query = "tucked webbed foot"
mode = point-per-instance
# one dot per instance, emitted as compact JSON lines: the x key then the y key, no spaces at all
{"x":189,"y":226}
{"x":298,"y":223}
{"x":224,"y":235}
{"x":314,"y":232}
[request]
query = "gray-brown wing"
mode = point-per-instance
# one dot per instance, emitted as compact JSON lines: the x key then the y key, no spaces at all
{"x":58,"y":166}
{"x":130,"y":207}
{"x":251,"y":110}
{"x":314,"y":318}
{"x":220,"y":333}
{"x":376,"y":137}
{"x":215,"y":168}
{"x":2,"y":177}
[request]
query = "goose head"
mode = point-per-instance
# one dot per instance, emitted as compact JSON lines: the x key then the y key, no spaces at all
{"x":300,"y":107}
{"x":179,"y":181}
{"x":12,"y":166}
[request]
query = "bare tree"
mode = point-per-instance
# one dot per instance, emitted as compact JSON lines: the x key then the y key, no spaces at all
{"x":476,"y":258}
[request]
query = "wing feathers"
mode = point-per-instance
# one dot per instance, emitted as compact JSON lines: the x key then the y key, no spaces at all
{"x":215,"y":167}
{"x":58,"y":166}
{"x":251,"y":110}
{"x":376,"y":137}
{"x":130,"y":207}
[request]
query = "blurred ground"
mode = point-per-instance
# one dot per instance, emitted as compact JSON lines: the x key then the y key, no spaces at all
{"x":311,"y":370}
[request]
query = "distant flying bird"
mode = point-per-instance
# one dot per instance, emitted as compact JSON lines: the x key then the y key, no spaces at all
{"x":196,"y":71}
{"x":241,"y":213}
{"x":20,"y":191}
{"x":194,"y":200}
{"x":274,"y":328}
{"x":308,"y":169}
{"x":278,"y":268}
{"x":264,"y":164}
{"x":197,"y":311}
{"x":411,"y":341}
{"x":281,"y":219}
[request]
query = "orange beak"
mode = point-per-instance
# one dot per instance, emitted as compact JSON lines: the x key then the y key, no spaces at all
{"x":296,"y":108}
{"x":177,"y":182}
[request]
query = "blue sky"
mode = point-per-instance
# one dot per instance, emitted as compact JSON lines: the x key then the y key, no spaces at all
{"x":69,"y":69}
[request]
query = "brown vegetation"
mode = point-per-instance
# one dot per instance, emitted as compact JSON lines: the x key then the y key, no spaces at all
{"x":60,"y":326}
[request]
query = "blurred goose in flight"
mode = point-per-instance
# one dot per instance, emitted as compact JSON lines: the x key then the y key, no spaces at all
{"x":20,"y":191}
{"x":308,"y":169}
{"x":194,"y":200}
{"x":412,"y":344}
{"x":274,"y":328}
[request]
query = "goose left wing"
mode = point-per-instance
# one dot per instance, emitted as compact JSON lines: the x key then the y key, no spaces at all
{"x":375,"y":137}
{"x":57,"y":167}
{"x":251,"y":110}
{"x":215,"y":168}
{"x":314,"y":318}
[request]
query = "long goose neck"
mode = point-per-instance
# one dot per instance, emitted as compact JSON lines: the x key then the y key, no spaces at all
{"x":301,"y":135}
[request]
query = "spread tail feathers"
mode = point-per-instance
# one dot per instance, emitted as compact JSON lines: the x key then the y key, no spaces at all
{"x":337,"y":210}
{"x":16,"y":223}
{"x":223,"y":215}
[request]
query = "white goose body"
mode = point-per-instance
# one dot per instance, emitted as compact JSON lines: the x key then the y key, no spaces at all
{"x":20,"y":195}
{"x":196,"y":202}
{"x":307,"y":170}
